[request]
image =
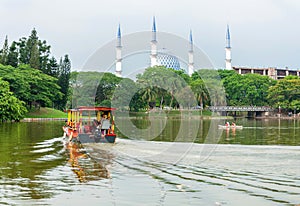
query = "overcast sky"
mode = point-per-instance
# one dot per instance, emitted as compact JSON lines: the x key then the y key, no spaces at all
{"x":264,"y":33}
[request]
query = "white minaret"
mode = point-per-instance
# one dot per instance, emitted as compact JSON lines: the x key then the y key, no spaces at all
{"x":228,"y":50}
{"x":119,"y":54}
{"x":153,"y":55}
{"x":191,"y":56}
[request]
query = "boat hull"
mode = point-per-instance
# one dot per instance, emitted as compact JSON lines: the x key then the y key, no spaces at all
{"x":87,"y":138}
{"x":230,"y":127}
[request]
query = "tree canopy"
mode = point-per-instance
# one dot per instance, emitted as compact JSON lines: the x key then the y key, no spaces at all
{"x":31,"y":85}
{"x":48,"y":84}
{"x":285,"y":93}
{"x":11,"y":108}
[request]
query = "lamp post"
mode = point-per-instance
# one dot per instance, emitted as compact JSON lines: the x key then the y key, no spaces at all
{"x":279,"y":110}
{"x":294,"y":111}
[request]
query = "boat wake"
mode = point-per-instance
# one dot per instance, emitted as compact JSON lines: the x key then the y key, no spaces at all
{"x":181,"y":173}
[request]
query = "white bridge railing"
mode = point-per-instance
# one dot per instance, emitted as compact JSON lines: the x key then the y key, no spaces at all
{"x":240,"y":109}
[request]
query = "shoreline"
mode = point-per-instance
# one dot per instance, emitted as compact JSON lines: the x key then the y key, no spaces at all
{"x":173,"y":117}
{"x":41,"y":119}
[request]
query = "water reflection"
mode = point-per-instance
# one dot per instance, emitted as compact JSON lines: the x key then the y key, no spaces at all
{"x":254,"y":132}
{"x":85,"y":168}
{"x":35,"y":167}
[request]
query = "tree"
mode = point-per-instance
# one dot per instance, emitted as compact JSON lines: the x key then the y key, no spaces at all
{"x":44,"y":55}
{"x":52,"y":68}
{"x":64,"y":74}
{"x":4,"y":52}
{"x":162,"y":85}
{"x":31,"y":85}
{"x":11,"y":108}
{"x":84,"y":86}
{"x":12,"y":58}
{"x":33,"y":51}
{"x":249,"y":89}
{"x":106,"y":88}
{"x":34,"y":60}
{"x":285,"y":93}
{"x":208,"y":87}
{"x":124,"y":93}
{"x":200,"y":91}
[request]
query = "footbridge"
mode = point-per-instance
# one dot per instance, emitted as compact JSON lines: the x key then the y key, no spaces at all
{"x":253,"y":111}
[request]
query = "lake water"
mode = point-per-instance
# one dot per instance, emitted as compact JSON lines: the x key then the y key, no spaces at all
{"x":162,"y":162}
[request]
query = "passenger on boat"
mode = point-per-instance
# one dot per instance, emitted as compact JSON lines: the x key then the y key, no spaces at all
{"x":96,"y":123}
{"x":233,"y":124}
{"x":227,"y":124}
{"x":105,"y":125}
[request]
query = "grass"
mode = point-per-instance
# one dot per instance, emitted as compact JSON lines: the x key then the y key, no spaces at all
{"x":45,"y":112}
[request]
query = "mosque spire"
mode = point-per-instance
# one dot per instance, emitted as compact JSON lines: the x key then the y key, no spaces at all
{"x":228,"y":37}
{"x":119,"y":53}
{"x":228,"y":50}
{"x":191,"y":41}
{"x":153,"y":29}
{"x":153,"y":55}
{"x":191,"y":55}
{"x":119,"y":37}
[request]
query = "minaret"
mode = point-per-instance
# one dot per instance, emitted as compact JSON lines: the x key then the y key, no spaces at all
{"x":119,"y":54}
{"x":153,"y":55}
{"x":228,"y":50}
{"x":191,"y":55}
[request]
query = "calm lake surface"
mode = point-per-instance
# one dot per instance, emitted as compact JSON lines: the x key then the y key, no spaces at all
{"x":178,"y":161}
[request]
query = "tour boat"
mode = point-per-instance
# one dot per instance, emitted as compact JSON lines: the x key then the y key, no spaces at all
{"x":230,"y":127}
{"x":90,"y":125}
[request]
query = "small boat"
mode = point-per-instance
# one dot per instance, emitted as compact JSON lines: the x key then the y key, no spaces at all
{"x":230,"y":127}
{"x":82,"y":127}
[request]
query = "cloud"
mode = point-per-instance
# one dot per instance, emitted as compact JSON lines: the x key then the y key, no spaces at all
{"x":80,"y":27}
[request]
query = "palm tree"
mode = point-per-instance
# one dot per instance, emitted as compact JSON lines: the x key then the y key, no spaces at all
{"x":199,"y":89}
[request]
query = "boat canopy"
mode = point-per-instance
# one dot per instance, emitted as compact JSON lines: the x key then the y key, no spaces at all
{"x":86,"y":108}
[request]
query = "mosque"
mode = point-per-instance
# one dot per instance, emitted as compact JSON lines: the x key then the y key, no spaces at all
{"x":161,"y":58}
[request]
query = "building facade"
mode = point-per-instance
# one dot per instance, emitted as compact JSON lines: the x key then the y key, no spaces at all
{"x":273,"y":72}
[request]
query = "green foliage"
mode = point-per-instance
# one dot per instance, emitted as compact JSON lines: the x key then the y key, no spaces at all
{"x":11,"y":108}
{"x":200,"y":91}
{"x":84,"y":86}
{"x":159,"y":86}
{"x":249,"y":89}
{"x":124,"y":93}
{"x":34,"y":60}
{"x":4,"y":52}
{"x":35,"y":87}
{"x":12,"y":58}
{"x":31,"y":85}
{"x":165,"y":86}
{"x":31,"y":51}
{"x":106,"y":88}
{"x":64,"y":74}
{"x":211,"y":89}
{"x":285,"y":93}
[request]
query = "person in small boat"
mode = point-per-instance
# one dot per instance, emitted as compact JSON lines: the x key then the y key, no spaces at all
{"x":233,"y":124}
{"x":105,"y":125}
{"x":227,"y":124}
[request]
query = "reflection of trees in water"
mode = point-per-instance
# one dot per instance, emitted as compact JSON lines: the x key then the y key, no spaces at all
{"x":85,"y":168}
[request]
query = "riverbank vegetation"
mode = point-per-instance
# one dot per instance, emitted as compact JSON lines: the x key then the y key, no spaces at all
{"x":162,"y":88}
{"x":33,"y":77}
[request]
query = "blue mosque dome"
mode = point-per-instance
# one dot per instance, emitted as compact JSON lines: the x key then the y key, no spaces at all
{"x":167,"y":60}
